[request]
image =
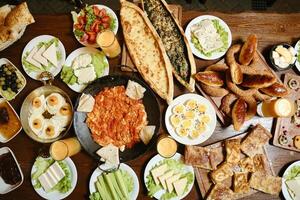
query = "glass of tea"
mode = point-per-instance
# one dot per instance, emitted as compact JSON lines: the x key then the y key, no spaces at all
{"x":108,"y":43}
{"x":281,"y":107}
{"x":62,"y":149}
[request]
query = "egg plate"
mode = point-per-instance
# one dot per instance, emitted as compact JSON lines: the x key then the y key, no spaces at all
{"x":190,"y":119}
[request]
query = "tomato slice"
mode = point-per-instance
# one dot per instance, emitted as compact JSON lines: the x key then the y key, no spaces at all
{"x":102,"y":12}
{"x":81,"y":20}
{"x":105,"y":19}
{"x":84,"y":37}
{"x":105,"y":25}
{"x":96,"y":10}
{"x":78,"y":26}
{"x":92,"y":37}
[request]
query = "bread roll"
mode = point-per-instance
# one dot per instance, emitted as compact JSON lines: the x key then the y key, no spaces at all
{"x":248,"y":50}
{"x":226,"y":103}
{"x":235,"y":69}
{"x":210,"y":78}
{"x":276,"y":90}
{"x":258,"y":80}
{"x":214,"y":91}
{"x":238,"y":114}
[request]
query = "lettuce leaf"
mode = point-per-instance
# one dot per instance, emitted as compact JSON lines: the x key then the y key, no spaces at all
{"x":293,"y":173}
{"x":98,"y":61}
{"x":67,"y":75}
{"x":298,"y":57}
{"x":64,"y":185}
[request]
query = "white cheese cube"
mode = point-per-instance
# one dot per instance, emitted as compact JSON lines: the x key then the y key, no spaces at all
{"x":180,"y":185}
{"x":171,"y":180}
{"x":165,"y":176}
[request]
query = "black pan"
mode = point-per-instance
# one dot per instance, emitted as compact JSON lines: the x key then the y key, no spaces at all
{"x":151,"y":105}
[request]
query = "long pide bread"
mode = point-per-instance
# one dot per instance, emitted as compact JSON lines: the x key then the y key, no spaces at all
{"x":174,"y":41}
{"x":146,"y":50}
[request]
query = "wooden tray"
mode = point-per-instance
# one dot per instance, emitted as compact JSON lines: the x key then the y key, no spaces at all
{"x":216,"y":101}
{"x":284,"y":126}
{"x":126,"y":60}
{"x":202,"y":175}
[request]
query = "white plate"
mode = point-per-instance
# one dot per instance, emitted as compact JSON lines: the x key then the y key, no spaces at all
{"x":44,"y":38}
{"x":210,"y":126}
{"x":285,"y":191}
{"x":6,"y":61}
{"x":69,"y":61}
{"x":154,"y":161}
{"x":6,"y":188}
{"x":56,"y":195}
{"x":297,"y":48}
{"x":133,"y":194}
{"x":3,"y":139}
{"x":110,"y":12}
{"x":195,"y":51}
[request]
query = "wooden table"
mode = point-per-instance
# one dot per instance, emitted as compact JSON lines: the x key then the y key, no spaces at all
{"x":270,"y":29}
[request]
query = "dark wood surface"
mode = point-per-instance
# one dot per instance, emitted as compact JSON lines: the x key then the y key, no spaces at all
{"x":270,"y":28}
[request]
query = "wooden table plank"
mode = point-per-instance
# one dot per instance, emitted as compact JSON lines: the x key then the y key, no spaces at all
{"x":270,"y":28}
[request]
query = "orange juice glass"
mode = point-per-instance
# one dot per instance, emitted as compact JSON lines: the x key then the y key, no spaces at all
{"x":166,"y":146}
{"x":62,"y":149}
{"x":108,"y":43}
{"x":277,"y":108}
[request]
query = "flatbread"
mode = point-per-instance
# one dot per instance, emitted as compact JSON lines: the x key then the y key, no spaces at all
{"x":240,"y":182}
{"x":19,"y":17}
{"x":147,"y":133}
{"x":4,"y":10}
{"x":135,"y":90}
{"x":201,"y":157}
{"x":233,"y":150}
{"x":223,"y":172}
{"x":146,"y":50}
{"x":255,"y":140}
{"x":265,"y":183}
{"x":220,"y":192}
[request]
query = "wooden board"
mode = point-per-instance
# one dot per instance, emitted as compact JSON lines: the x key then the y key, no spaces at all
{"x":284,"y":126}
{"x":202,"y":175}
{"x":216,"y":101}
{"x":126,"y":60}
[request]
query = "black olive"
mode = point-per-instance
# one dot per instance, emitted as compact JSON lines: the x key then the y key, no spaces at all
{"x":4,"y":87}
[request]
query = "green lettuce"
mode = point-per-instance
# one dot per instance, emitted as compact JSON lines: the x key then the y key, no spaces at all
{"x":293,"y":173}
{"x":42,"y":164}
{"x":177,"y":166}
{"x":67,"y":75}
{"x":98,"y":61}
{"x":224,"y":37}
{"x":90,"y":17}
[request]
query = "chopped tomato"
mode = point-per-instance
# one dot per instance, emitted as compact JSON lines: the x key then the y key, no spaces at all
{"x":102,"y":13}
{"x":81,"y":19}
{"x":78,"y":26}
{"x":92,"y":37}
{"x":105,"y":25}
{"x":96,"y":10}
{"x":84,"y":37}
{"x":105,"y":19}
{"x":96,"y":29}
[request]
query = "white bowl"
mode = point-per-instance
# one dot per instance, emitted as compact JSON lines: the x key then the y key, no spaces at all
{"x":195,"y":51}
{"x":109,"y":11}
{"x":5,"y":188}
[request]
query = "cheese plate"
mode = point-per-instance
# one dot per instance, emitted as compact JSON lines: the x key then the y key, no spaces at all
{"x":83,"y":66}
{"x":177,"y":164}
{"x":209,"y":30}
{"x":290,"y":175}
{"x":43,"y":53}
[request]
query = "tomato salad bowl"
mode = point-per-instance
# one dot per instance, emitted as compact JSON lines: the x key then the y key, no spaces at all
{"x":90,"y":21}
